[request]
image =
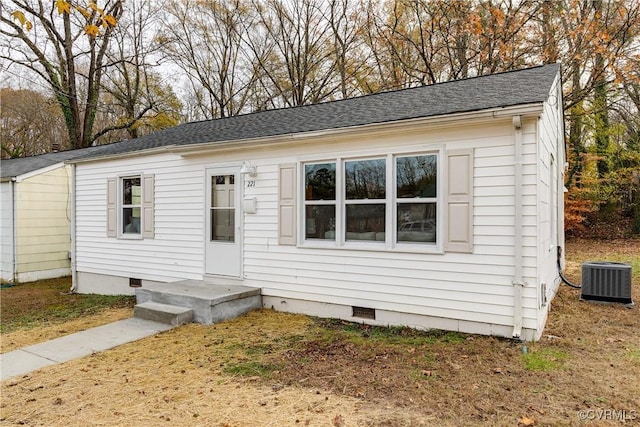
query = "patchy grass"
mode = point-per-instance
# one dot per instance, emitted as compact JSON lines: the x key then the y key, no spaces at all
{"x":544,"y":359}
{"x":23,"y":337}
{"x":270,"y":369}
{"x":634,"y":355}
{"x":251,"y":369}
{"x":47,"y":303}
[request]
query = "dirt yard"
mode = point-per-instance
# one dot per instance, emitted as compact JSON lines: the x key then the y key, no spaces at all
{"x":274,"y":369}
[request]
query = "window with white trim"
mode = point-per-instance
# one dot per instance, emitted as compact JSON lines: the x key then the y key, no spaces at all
{"x":416,"y":198}
{"x":365,"y":199}
{"x":357,"y":200}
{"x":131,"y":205}
{"x":320,"y":201}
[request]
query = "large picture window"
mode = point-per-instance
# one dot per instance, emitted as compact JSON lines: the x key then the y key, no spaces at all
{"x":391,"y":200}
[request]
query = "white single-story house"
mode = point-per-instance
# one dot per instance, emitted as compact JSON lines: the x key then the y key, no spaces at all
{"x":433,"y":207}
{"x":35,"y":217}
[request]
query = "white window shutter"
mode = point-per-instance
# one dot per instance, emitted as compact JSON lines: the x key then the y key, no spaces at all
{"x":459,"y":203}
{"x":112,"y":207}
{"x":287,"y":204}
{"x":148,"y":216}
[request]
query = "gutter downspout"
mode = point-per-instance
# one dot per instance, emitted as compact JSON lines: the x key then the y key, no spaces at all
{"x":518,"y":283}
{"x":14,"y":234}
{"x":74,"y":276}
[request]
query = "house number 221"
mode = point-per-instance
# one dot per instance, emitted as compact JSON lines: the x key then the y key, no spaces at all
{"x":251,"y":184}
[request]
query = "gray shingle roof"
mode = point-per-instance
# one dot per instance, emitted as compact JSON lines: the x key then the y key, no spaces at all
{"x":528,"y":86}
{"x":15,"y":167}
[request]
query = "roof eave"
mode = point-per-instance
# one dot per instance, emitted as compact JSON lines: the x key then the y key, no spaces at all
{"x":126,"y":154}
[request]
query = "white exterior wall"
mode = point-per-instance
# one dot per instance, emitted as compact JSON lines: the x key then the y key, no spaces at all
{"x":550,"y":199}
{"x":176,"y":252}
{"x":473,"y":287}
{"x":43,"y":224}
{"x":6,"y":232}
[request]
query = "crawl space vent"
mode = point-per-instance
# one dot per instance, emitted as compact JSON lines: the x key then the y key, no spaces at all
{"x":365,"y":313}
{"x":606,"y":281}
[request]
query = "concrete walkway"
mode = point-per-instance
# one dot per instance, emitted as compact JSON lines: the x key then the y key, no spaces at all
{"x":74,"y":346}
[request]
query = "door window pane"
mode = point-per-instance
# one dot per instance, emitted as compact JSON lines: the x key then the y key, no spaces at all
{"x":320,"y":222}
{"x":222,"y":191}
{"x":223,"y":225}
{"x":365,"y":222}
{"x":365,"y":179}
{"x":223,"y":211}
{"x":416,"y":176}
{"x":416,"y":222}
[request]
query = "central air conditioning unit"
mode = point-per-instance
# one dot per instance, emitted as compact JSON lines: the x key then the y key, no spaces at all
{"x":606,"y":281}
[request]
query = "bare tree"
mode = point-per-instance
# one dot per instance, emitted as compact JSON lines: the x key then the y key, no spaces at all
{"x":205,"y":40}
{"x":134,"y":97}
{"x":389,"y":53}
{"x":348,"y":50}
{"x":293,"y":49}
{"x":65,"y":44}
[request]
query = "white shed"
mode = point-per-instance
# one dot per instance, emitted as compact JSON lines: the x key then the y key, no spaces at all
{"x":433,"y":207}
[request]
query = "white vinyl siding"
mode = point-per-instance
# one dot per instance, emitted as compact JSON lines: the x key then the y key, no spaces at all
{"x":466,"y":286}
{"x":177,"y":249}
{"x":549,"y":197}
{"x":455,"y":285}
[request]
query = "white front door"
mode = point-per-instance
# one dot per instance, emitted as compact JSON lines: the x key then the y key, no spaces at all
{"x":223,"y":222}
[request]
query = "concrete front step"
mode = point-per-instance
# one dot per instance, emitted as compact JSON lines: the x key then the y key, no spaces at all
{"x":163,"y":313}
{"x":211,"y":303}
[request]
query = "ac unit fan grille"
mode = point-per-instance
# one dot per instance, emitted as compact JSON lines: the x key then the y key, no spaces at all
{"x":606,"y":281}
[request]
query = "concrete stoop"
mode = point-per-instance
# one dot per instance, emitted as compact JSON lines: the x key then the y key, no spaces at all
{"x":163,"y":313}
{"x":195,"y":301}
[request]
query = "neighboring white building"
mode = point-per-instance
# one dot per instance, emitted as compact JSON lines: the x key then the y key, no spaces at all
{"x":432,"y":207}
{"x":35,"y":217}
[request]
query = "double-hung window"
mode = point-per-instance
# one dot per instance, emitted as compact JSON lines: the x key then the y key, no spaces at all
{"x":131,"y":203}
{"x":387,"y":201}
{"x":130,"y":206}
{"x":416,"y":198}
{"x":320,"y":201}
{"x":364,"y":199}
